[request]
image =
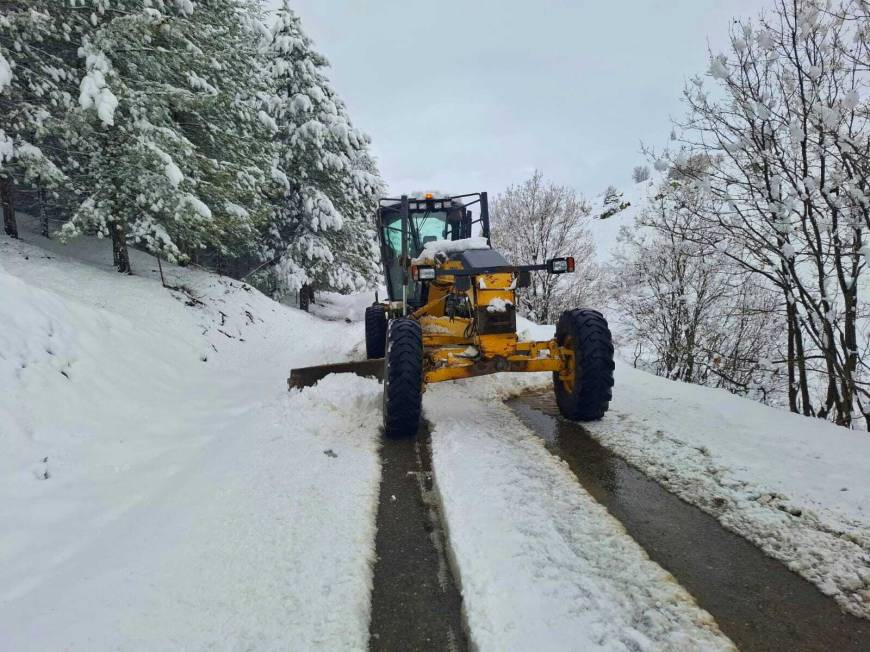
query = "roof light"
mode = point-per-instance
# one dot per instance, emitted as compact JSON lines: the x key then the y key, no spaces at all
{"x":429,"y":195}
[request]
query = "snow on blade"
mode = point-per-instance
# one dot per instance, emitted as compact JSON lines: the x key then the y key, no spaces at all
{"x":542,"y":565}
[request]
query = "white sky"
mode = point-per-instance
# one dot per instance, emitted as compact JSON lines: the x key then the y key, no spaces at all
{"x":469,"y":96}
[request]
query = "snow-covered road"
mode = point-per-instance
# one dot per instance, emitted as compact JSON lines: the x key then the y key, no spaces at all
{"x":796,"y":487}
{"x":542,"y":565}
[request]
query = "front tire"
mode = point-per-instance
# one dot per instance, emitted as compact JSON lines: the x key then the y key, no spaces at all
{"x":376,"y":331}
{"x":403,"y":378}
{"x":586,"y":393}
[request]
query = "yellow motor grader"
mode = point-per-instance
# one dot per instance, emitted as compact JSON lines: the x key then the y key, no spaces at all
{"x":451,"y":314}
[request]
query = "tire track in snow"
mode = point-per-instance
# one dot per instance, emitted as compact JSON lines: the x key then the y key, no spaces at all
{"x":542,"y":565}
{"x":756,"y":600}
{"x":415,"y":603}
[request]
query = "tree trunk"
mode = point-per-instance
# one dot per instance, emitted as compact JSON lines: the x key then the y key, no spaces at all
{"x":803,"y":382}
{"x":119,"y":248}
{"x":7,"y":199}
{"x":792,"y":382}
{"x":43,"y":216}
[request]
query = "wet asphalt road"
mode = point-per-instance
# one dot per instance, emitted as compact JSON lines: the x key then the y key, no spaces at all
{"x":415,"y":601}
{"x":756,"y":600}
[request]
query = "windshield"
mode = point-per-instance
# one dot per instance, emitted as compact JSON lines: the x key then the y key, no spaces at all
{"x":424,"y":228}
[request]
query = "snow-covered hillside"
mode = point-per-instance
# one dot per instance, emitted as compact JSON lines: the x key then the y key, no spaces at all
{"x":159,"y":488}
{"x":605,"y":226}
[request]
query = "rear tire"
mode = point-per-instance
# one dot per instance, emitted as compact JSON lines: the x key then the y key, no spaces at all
{"x":403,"y":378}
{"x":587,"y":334}
{"x":376,"y":332}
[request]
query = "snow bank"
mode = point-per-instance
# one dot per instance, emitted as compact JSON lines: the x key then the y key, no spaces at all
{"x":794,"y":486}
{"x":159,"y":486}
{"x":541,"y":564}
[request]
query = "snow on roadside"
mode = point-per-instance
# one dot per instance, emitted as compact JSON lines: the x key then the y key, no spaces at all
{"x":333,"y":306}
{"x":541,"y":564}
{"x":795,"y":487}
{"x":160,"y":488}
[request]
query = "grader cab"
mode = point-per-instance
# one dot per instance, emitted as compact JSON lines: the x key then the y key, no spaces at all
{"x":450,"y":314}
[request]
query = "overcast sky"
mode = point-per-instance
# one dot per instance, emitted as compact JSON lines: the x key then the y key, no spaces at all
{"x":463,"y":96}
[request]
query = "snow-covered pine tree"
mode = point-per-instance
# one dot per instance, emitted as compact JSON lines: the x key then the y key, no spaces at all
{"x":33,"y":75}
{"x":320,"y":232}
{"x":173,"y":149}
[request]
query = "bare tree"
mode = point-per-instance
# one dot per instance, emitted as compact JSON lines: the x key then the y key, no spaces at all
{"x":686,"y":310}
{"x":784,"y":140}
{"x":536,"y":221}
{"x":640,"y":173}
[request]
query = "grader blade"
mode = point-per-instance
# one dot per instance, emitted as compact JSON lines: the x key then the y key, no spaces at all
{"x":308,"y":376}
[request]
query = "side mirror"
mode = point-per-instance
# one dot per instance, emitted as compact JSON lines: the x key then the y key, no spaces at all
{"x":524,"y":279}
{"x":560,"y":265}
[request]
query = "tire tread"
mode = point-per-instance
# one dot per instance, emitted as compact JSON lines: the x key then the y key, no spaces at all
{"x":376,"y":331}
{"x":593,"y":346}
{"x":403,"y":390}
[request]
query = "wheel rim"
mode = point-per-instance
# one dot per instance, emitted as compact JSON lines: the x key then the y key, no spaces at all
{"x":568,"y":375}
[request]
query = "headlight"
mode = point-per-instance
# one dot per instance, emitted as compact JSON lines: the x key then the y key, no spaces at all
{"x":560,"y":265}
{"x":422,"y":273}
